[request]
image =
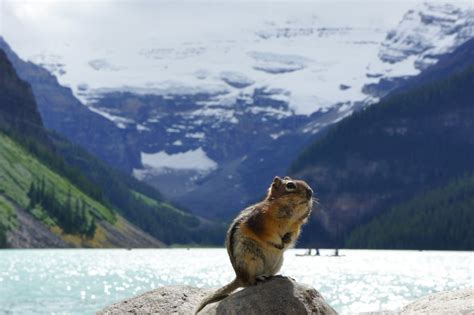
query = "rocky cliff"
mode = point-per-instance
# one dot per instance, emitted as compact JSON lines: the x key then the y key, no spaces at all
{"x":18,"y":110}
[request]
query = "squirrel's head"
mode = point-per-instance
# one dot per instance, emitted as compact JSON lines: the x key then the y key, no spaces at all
{"x":296,"y":192}
{"x":289,"y":187}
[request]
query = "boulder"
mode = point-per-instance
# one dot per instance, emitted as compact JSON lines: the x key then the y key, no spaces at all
{"x":277,"y":295}
{"x":449,"y":302}
{"x":459,"y":302}
{"x":165,"y":300}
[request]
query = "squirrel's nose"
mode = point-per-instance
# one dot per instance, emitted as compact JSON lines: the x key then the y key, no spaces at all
{"x":309,"y":193}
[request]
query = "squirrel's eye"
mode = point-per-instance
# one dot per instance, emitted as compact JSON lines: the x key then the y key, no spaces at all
{"x":290,"y":186}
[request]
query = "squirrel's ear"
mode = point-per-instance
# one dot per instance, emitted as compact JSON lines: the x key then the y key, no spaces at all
{"x":276,"y":182}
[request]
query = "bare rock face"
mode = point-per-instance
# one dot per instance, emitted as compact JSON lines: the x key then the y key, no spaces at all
{"x":278,"y":295}
{"x":32,"y":233}
{"x":450,"y":302}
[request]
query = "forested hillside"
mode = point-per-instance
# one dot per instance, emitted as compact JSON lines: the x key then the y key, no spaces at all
{"x":385,"y":155}
{"x":73,"y":197}
{"x":138,"y":202}
{"x":20,"y":172}
{"x":439,"y":219}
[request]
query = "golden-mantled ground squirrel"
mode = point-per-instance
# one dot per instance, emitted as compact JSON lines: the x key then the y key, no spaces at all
{"x":260,"y":234}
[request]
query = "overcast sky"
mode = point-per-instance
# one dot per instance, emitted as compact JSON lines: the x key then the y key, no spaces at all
{"x":103,"y":22}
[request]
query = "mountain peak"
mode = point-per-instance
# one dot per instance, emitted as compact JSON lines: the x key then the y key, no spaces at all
{"x":426,"y":32}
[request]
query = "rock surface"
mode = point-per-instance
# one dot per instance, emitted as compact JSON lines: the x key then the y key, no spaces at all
{"x":459,"y":302}
{"x":32,"y":233}
{"x":450,"y":302}
{"x":166,"y":300}
{"x":278,"y":295}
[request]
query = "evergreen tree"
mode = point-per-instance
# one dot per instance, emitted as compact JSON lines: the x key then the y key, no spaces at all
{"x":3,"y":237}
{"x":73,"y":216}
{"x":440,"y":219}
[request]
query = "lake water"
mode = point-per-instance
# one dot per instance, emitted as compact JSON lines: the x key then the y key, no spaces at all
{"x":84,"y":281}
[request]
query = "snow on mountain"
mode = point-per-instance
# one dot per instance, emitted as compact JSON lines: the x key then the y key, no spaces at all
{"x":120,"y":122}
{"x":162,"y":161}
{"x":215,"y":88}
{"x":427,"y":32}
{"x":305,"y":49}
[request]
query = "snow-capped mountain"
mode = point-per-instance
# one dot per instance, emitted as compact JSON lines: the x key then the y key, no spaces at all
{"x":427,"y":33}
{"x":218,"y":97}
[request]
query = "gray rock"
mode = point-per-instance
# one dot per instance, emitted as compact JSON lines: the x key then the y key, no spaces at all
{"x":31,"y":233}
{"x":449,"y":302}
{"x":443,"y":303}
{"x":166,"y":300}
{"x":278,"y":295}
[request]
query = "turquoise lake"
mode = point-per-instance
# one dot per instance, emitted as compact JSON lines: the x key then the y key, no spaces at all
{"x":83,"y":281}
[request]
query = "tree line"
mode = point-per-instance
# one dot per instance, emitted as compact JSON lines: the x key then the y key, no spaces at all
{"x":439,"y":219}
{"x":73,"y":215}
{"x":3,"y":236}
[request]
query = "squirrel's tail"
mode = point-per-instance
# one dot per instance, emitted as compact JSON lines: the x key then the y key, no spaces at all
{"x":219,"y":294}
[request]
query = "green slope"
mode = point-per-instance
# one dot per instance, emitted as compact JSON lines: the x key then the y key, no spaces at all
{"x":18,"y":170}
{"x":440,"y":219}
{"x":8,"y":218}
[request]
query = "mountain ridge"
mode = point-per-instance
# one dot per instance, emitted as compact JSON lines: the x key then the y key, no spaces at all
{"x":380,"y":157}
{"x":18,"y":110}
{"x":62,"y":112}
{"x":70,"y":198}
{"x":23,"y":142}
